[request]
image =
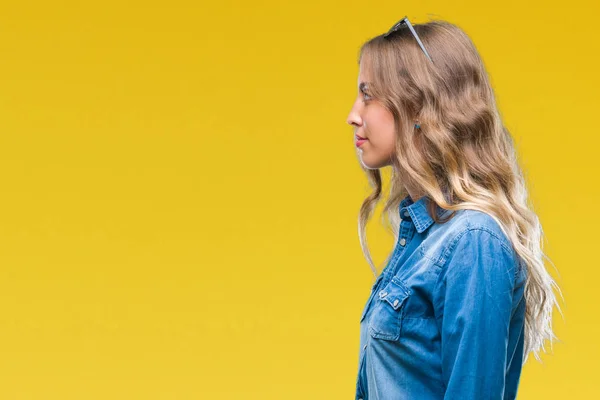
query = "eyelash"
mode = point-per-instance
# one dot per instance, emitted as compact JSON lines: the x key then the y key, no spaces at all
{"x":365,"y":94}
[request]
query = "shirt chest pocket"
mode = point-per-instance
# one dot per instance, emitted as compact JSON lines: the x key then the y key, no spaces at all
{"x":388,"y":308}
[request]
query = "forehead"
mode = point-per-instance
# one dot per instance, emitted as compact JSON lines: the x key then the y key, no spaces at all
{"x":363,"y":72}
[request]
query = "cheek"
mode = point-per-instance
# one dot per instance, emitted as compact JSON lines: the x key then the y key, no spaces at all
{"x":382,"y":132}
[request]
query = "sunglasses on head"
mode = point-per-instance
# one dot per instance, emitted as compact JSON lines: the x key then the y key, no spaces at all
{"x":398,"y":25}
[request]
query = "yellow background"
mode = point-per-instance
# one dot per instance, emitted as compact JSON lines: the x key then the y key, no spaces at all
{"x":179,"y":191}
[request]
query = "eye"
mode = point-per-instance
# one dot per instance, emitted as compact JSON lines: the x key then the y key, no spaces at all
{"x":366,"y":96}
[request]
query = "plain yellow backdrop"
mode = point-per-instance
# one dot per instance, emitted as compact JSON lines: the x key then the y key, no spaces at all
{"x":179,"y":191}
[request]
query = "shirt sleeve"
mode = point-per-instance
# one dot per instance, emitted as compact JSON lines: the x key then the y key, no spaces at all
{"x":473,"y":307}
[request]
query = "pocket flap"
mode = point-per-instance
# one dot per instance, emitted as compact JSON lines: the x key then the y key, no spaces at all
{"x":395,"y":293}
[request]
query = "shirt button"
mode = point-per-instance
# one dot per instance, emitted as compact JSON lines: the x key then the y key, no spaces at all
{"x":365,"y":346}
{"x":402,"y":242}
{"x":406,"y":213}
{"x":396,"y":302}
{"x":382,"y":293}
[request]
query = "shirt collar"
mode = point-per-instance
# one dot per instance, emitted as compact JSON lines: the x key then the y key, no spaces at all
{"x":417,"y":211}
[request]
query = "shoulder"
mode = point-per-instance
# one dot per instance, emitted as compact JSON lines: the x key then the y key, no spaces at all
{"x":474,"y":233}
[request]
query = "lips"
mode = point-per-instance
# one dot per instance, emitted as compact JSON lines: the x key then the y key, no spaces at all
{"x":360,"y":142}
{"x":359,"y":137}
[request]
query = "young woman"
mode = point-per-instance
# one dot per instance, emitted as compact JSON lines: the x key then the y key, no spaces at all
{"x":464,"y":297}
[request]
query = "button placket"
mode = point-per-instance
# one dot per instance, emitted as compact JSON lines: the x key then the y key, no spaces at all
{"x":361,"y":367}
{"x":405,"y":235}
{"x":405,"y":229}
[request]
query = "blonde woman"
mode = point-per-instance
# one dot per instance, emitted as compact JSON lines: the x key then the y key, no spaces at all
{"x":464,"y":297}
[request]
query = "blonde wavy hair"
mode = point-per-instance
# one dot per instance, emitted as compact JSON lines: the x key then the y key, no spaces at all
{"x":462,"y":157}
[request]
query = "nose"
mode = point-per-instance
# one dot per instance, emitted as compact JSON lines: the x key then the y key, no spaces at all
{"x":354,"y":117}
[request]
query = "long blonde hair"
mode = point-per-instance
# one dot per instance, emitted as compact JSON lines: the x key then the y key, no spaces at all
{"x":462,"y":157}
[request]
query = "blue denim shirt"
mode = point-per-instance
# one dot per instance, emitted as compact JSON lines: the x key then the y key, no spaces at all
{"x":445,"y":318}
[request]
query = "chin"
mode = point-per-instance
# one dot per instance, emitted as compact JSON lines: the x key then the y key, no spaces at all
{"x":368,"y":164}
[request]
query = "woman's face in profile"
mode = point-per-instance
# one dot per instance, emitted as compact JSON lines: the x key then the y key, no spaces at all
{"x":372,"y":121}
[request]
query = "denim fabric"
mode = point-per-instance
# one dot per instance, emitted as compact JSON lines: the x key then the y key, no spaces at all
{"x":445,"y":318}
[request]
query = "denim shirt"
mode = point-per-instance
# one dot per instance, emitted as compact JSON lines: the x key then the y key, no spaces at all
{"x":445,"y":318}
